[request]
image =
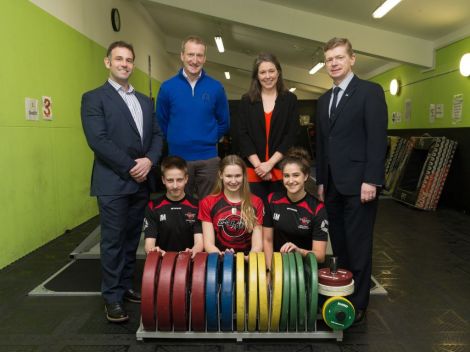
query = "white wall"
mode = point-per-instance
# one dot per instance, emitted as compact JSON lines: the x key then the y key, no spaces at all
{"x":92,"y":18}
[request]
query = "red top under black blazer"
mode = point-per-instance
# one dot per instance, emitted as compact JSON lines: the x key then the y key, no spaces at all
{"x":284,"y":126}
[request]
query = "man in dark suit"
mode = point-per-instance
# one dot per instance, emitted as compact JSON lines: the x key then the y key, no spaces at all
{"x":351,"y":148}
{"x":120,"y":129}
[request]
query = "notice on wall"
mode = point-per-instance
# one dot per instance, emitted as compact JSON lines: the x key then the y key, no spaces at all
{"x":407,"y":110}
{"x":31,"y":109}
{"x":432,"y":113}
{"x":396,"y":117}
{"x":47,"y":108}
{"x":457,"y":106}
{"x":439,"y":111}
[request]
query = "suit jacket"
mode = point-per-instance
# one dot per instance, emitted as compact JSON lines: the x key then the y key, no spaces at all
{"x":283,"y":131}
{"x":112,"y":134}
{"x":352,"y":146}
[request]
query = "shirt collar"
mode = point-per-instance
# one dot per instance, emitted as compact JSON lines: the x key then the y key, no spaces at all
{"x":117,"y":86}
{"x":344,"y":84}
{"x":187,"y":77}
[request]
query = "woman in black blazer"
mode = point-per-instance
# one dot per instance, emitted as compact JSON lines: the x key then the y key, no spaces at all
{"x":269,"y":121}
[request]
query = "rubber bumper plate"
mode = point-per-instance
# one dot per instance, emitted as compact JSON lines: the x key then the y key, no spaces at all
{"x":212,"y":288}
{"x":149,"y":284}
{"x":240,"y":292}
{"x":301,"y":295}
{"x":338,"y":313}
{"x":292,"y":293}
{"x":198,"y":292}
{"x":263,"y":323}
{"x":285,"y":293}
{"x":341,"y":277}
{"x":332,"y":291}
{"x":181,"y":292}
{"x":311,"y":277}
{"x":252,"y":291}
{"x":276,"y":289}
{"x":165,"y":281}
{"x":226,"y":293}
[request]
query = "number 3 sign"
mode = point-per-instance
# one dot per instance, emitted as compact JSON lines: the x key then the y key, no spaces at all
{"x":47,"y":108}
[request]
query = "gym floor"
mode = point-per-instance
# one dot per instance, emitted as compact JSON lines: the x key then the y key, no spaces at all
{"x":421,"y":258}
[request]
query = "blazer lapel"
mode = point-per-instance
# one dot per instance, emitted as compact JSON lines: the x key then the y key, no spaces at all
{"x":348,"y":93}
{"x":116,"y":98}
{"x":147,"y":123}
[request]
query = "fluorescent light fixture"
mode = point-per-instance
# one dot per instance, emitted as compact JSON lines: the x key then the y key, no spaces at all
{"x":219,"y":43}
{"x":394,"y":86}
{"x":227,"y":75}
{"x":316,"y":68}
{"x":292,"y":90}
{"x":465,"y":65}
{"x":383,"y":9}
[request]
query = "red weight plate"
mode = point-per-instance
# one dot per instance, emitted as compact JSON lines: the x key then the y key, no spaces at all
{"x":165,"y":282}
{"x":198,"y":292}
{"x":149,"y":280}
{"x":342,"y":277}
{"x":180,"y":292}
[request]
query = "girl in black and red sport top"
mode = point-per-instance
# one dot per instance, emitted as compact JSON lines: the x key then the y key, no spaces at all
{"x":294,"y":220}
{"x":231,"y":216}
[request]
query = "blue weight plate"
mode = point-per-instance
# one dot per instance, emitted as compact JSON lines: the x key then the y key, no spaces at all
{"x":212,"y":286}
{"x":226,"y":295}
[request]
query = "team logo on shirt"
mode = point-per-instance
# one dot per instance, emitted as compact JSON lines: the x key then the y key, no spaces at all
{"x":232,"y":225}
{"x":304,"y":223}
{"x":162,"y":217}
{"x":146,"y":224}
{"x":276,"y":216}
{"x":324,"y":226}
{"x":190,"y":216}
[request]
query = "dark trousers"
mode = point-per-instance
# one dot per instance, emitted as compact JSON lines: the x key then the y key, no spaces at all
{"x":121,"y":226}
{"x":263,"y":189}
{"x":351,"y":226}
{"x":202,"y":176}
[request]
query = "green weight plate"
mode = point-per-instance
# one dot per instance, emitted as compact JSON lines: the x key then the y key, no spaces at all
{"x":285,"y":293}
{"x":292,"y":293}
{"x":301,"y":296}
{"x":311,"y":277}
{"x":338,"y":313}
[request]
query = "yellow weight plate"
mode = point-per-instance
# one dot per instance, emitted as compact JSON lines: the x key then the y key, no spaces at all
{"x":252,"y":291}
{"x":262,"y":293}
{"x":276,"y":284}
{"x":240,"y":291}
{"x":338,"y":313}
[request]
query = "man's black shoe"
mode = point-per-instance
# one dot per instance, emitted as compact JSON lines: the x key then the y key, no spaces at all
{"x":115,"y":312}
{"x":132,"y":296}
{"x":360,"y":316}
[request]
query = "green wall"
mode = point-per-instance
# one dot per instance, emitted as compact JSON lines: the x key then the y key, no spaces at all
{"x":46,"y":165}
{"x":436,"y":86}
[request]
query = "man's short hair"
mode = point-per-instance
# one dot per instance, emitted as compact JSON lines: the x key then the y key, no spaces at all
{"x":195,"y":39}
{"x":120,"y":44}
{"x":173,"y":162}
{"x":335,"y":42}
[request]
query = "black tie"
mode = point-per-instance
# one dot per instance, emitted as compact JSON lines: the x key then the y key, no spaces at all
{"x":335,"y":100}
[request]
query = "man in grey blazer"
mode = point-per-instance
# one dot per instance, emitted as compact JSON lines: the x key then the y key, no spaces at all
{"x":120,"y":129}
{"x":351,"y":147}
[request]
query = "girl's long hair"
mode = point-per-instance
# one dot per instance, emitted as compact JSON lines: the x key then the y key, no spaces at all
{"x":247,"y":212}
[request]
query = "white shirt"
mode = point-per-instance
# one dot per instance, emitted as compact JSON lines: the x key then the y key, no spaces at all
{"x":343,"y":85}
{"x":132,"y":103}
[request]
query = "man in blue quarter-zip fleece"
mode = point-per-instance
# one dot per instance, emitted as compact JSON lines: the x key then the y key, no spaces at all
{"x":193,"y":114}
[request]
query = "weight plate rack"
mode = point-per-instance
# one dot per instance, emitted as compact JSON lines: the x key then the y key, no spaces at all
{"x":233,"y":296}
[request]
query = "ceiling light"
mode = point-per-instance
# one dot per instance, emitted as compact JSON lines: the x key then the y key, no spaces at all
{"x":292,"y":90}
{"x":227,"y":75}
{"x":394,"y":87}
{"x":465,"y":65}
{"x":316,"y":68}
{"x":219,"y":43}
{"x":383,"y":9}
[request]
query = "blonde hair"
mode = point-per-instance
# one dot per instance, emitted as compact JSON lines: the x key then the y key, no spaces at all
{"x":247,"y":211}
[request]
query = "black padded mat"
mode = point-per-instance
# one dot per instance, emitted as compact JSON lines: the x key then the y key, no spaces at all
{"x":84,"y":275}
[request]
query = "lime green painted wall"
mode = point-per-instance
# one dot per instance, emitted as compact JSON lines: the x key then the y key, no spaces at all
{"x":437,"y":86}
{"x":46,"y":165}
